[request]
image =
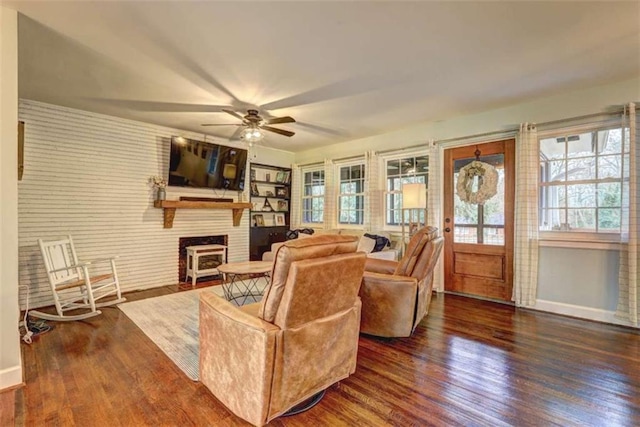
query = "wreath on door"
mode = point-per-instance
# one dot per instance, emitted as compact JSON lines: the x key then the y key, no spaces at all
{"x":481,"y":176}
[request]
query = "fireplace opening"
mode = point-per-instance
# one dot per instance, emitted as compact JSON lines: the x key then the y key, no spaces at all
{"x":206,"y":262}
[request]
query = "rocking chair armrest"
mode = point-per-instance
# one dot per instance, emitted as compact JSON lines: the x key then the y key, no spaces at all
{"x":70,"y":267}
{"x":97,"y":260}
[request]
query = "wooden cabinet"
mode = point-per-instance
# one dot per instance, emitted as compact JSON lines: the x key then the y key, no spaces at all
{"x":270,"y":197}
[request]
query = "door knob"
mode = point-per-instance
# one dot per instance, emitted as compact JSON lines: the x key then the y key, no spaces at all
{"x":447,"y":229}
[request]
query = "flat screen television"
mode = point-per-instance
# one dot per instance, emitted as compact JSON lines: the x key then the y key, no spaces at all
{"x":206,"y":165}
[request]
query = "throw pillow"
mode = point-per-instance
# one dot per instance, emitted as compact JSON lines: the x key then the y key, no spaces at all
{"x":366,"y":245}
{"x":294,"y":234}
{"x":381,"y":242}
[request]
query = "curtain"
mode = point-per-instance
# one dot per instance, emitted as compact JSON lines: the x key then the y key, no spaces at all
{"x":295,"y":203}
{"x":434,"y":208}
{"x":628,"y":293}
{"x":525,"y":277}
{"x":330,"y":210}
{"x":374,"y":214}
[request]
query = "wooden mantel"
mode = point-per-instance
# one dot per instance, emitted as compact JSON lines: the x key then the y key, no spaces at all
{"x":170,"y":206}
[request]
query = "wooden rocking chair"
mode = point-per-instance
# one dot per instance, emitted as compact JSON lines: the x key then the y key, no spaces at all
{"x":72,"y":286}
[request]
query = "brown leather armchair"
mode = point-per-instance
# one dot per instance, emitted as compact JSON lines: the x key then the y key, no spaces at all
{"x":262,"y":359}
{"x":396,"y":295}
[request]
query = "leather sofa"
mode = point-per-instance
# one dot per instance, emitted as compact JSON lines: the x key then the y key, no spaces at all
{"x":390,"y":253}
{"x":262,"y":359}
{"x":396,"y":295}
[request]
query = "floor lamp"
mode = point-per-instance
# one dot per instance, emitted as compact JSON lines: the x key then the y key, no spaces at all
{"x":414,"y":200}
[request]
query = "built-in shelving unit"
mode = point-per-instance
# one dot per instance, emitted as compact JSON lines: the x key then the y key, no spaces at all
{"x":270,"y":190}
{"x":170,"y":206}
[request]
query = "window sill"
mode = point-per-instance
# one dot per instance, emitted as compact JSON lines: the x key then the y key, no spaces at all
{"x":579,"y":244}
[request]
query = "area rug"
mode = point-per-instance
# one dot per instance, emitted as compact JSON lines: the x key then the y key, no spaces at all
{"x":171,"y":321}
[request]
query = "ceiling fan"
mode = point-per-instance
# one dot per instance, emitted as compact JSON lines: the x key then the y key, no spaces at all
{"x":253,"y":124}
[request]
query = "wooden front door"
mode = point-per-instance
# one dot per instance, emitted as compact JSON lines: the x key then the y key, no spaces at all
{"x":479,"y":238}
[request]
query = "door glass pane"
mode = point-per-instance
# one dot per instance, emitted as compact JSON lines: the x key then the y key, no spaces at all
{"x":482,"y":224}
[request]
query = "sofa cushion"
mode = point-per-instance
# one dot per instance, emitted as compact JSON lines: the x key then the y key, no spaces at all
{"x":366,"y":245}
{"x":381,"y":241}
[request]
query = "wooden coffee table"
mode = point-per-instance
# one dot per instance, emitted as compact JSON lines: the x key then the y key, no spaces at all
{"x":241,"y":280}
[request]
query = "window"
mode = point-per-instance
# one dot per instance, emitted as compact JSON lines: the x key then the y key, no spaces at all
{"x":581,"y":180}
{"x":409,"y":169}
{"x":313,"y":197}
{"x":351,"y":194}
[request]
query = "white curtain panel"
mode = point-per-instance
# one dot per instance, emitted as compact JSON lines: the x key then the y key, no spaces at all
{"x":629,"y":294}
{"x":525,"y":278}
{"x":330,"y":196}
{"x":373,"y":201}
{"x":296,"y":197}
{"x":434,"y":208}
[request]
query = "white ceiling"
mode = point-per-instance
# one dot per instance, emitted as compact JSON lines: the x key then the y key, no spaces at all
{"x":344,"y":70}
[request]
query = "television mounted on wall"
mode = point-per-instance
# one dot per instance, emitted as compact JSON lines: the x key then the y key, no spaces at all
{"x":201,"y":164}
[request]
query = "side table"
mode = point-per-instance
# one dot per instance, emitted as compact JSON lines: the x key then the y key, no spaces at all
{"x":242,"y":278}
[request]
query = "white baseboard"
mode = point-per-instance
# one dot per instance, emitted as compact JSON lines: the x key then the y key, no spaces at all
{"x":10,"y":377}
{"x":581,"y":312}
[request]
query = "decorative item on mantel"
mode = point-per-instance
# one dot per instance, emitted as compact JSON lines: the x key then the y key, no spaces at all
{"x":159,"y":184}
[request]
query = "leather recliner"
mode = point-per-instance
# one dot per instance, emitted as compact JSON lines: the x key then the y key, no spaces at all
{"x":396,"y":295}
{"x":262,"y":359}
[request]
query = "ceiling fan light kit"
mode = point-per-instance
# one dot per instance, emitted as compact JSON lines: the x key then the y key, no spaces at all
{"x":255,"y":125}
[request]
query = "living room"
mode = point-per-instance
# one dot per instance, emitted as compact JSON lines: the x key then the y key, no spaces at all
{"x":86,"y":172}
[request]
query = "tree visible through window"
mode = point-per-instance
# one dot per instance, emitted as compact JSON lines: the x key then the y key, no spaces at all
{"x":313,"y":197}
{"x":351,"y":195}
{"x":581,"y":181}
{"x":405,"y":170}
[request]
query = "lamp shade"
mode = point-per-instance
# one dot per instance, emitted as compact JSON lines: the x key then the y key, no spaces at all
{"x":414,"y":196}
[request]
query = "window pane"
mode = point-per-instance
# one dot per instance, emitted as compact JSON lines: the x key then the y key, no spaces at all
{"x":553,"y":219}
{"x":584,"y":219}
{"x":581,"y":195}
{"x":609,"y":219}
{"x":610,"y":141}
{"x":422,"y":165}
{"x":408,"y":166}
{"x":466,"y":234}
{"x":550,"y":148}
{"x":609,"y":194}
{"x":583,"y":168}
{"x":493,"y":236}
{"x":580,"y":145}
{"x":344,"y":173}
{"x":393,"y":167}
{"x":609,"y":167}
{"x":557,"y":170}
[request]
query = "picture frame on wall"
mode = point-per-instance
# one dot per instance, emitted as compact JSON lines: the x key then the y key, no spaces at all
{"x":254,"y":189}
{"x":258,"y":220}
{"x":281,"y":192}
{"x":283,"y":205}
{"x":279,"y":219}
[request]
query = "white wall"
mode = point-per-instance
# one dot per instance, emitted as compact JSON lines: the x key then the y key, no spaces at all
{"x":86,"y":175}
{"x":590,"y":293}
{"x":10,"y":362}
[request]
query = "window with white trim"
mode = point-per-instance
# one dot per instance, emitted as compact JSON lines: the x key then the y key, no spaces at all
{"x":351,"y":194}
{"x":402,"y":170}
{"x":582,"y":179}
{"x":313,"y":196}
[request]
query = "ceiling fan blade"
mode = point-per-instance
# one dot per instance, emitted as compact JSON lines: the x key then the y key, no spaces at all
{"x":236,"y":134}
{"x":221,"y":124}
{"x":276,"y":130}
{"x":234,"y":114}
{"x":278,"y":120}
{"x":158,"y":106}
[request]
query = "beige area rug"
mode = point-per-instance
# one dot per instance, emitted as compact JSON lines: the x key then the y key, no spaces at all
{"x":171,"y":321}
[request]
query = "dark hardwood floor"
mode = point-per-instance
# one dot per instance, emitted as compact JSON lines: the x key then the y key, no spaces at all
{"x":470,"y":362}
